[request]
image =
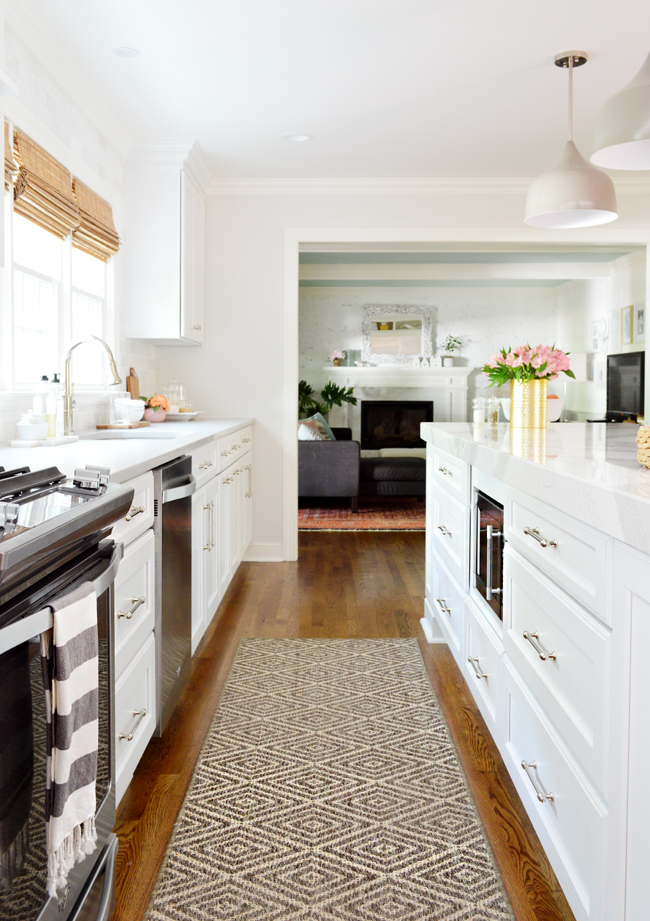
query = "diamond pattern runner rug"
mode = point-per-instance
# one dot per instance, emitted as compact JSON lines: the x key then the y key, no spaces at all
{"x":328,"y":789}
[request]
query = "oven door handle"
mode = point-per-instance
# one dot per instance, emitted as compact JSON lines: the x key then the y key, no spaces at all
{"x":23,"y":630}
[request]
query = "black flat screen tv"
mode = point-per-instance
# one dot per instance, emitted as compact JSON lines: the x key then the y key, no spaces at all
{"x":625,"y":385}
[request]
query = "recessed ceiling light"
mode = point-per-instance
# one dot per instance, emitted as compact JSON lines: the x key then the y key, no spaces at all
{"x":298,"y":138}
{"x":126,"y":52}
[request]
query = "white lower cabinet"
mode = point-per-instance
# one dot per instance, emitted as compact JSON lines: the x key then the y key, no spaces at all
{"x":482,"y":666}
{"x":221,"y":527}
{"x":135,"y":714}
{"x":570,"y":819}
{"x":134,"y":600}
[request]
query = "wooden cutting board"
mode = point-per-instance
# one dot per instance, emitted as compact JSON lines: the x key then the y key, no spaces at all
{"x":126,"y":425}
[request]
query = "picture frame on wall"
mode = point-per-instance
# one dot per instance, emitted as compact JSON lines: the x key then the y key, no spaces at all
{"x":639,"y":322}
{"x":626,"y":325}
{"x":595,"y":338}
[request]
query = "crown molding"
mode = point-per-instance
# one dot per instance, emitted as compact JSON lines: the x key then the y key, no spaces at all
{"x":71,"y":78}
{"x":161,"y":155}
{"x":438,"y":186}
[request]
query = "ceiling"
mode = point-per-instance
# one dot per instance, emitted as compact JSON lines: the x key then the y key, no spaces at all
{"x":389,"y":88}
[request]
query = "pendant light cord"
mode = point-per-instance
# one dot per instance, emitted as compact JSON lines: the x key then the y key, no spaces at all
{"x":570,"y":97}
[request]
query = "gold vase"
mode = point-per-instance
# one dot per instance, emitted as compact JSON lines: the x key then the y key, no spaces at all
{"x":528,"y":404}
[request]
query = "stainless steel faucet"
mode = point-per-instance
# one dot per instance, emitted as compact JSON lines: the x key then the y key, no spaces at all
{"x":68,"y":402}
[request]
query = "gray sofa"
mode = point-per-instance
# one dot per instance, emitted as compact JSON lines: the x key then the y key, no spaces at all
{"x":330,"y":468}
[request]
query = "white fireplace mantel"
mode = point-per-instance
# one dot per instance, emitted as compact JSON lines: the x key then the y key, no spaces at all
{"x":448,"y":385}
{"x":399,"y":376}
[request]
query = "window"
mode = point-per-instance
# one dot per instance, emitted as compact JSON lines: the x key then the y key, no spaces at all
{"x":58,"y":295}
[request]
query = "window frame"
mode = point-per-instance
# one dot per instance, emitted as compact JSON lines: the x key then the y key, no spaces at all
{"x":65,"y":294}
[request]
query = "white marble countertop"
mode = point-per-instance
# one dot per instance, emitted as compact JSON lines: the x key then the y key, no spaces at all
{"x":588,"y":471}
{"x":145,"y":449}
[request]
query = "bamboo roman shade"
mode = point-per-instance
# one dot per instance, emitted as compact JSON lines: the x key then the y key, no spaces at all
{"x":46,"y":193}
{"x":10,"y":165}
{"x":43,"y":188}
{"x":96,"y":232}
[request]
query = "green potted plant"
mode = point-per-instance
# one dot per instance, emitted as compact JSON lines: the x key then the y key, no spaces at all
{"x":331,"y":395}
{"x":449,"y":346}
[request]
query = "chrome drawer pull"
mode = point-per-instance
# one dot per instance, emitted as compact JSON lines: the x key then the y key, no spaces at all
{"x":474,"y":662}
{"x":534,"y":532}
{"x":445,"y":531}
{"x":442,"y":603}
{"x":205,"y":465}
{"x":136,"y":510}
{"x":541,"y":796}
{"x":445,"y":472}
{"x":236,"y":447}
{"x":196,"y":326}
{"x":140,"y":715}
{"x":533,"y":639}
{"x":224,"y":454}
{"x":248,"y":495}
{"x":129,"y":614}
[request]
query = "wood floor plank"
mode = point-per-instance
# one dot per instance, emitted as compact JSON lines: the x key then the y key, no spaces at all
{"x":345,"y":584}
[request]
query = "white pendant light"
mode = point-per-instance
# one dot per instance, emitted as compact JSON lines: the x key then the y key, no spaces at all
{"x":572,"y":193}
{"x":622,"y":134}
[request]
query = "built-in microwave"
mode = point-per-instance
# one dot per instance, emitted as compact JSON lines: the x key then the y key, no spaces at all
{"x":488,"y":542}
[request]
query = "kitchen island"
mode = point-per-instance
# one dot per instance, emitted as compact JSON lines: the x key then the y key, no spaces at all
{"x":544,"y":601}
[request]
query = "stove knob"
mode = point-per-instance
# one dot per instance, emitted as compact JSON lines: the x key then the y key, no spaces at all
{"x":87,"y":479}
{"x":104,"y":473}
{"x":8,"y":514}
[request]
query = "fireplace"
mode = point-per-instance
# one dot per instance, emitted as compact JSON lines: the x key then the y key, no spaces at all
{"x":394,"y":423}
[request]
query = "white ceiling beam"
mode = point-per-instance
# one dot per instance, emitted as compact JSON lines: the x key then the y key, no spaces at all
{"x":453,"y":272}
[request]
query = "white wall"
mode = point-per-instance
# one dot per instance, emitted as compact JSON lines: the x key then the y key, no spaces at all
{"x":240,"y":370}
{"x":57,"y":108}
{"x":485,"y":319}
{"x":579,"y":304}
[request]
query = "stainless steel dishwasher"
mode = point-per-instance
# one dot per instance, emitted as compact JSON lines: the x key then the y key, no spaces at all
{"x":173,"y":488}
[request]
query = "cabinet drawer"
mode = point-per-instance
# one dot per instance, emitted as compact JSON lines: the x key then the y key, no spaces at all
{"x":572,"y":682}
{"x":449,"y":474}
{"x":204,"y":463}
{"x":572,"y":824}
{"x":482,"y":667}
{"x":448,"y":605}
{"x":450,"y":535}
{"x":575,"y":556}
{"x":140,"y":515}
{"x":134,"y":600}
{"x":134,"y":693}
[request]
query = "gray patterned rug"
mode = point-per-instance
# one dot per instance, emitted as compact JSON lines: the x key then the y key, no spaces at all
{"x":328,"y":789}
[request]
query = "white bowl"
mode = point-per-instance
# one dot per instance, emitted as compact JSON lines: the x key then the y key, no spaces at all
{"x":32,"y":431}
{"x":136,"y":410}
{"x":553,"y":409}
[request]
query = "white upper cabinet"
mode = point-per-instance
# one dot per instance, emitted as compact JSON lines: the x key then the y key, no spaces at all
{"x":164,"y":246}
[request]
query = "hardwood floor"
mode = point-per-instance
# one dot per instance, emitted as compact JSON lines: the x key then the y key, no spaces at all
{"x":345,"y":584}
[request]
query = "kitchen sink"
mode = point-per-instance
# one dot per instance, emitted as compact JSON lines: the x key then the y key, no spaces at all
{"x":129,"y":435}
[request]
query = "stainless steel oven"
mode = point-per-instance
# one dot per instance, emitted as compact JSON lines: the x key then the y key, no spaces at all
{"x":53,"y":536}
{"x":489,"y":542}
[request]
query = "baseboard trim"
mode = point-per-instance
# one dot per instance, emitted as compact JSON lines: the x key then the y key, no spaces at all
{"x":264,"y":553}
{"x":428,"y":630}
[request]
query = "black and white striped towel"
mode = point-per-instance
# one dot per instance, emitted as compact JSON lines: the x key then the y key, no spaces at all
{"x":70,"y":679}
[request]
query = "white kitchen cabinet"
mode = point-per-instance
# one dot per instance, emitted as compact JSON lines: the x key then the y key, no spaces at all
{"x":164,"y":251}
{"x":222,"y":521}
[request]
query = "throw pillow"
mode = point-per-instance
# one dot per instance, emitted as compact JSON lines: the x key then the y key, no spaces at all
{"x":322,"y":424}
{"x":310,"y":433}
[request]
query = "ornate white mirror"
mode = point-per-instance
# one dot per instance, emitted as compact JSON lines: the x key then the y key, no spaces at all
{"x":395,"y":334}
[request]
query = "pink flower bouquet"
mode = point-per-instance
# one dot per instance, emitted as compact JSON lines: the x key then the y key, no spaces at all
{"x":524,"y":363}
{"x":336,"y":355}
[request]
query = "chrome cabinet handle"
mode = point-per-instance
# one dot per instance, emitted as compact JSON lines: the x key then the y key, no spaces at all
{"x":135,"y":510}
{"x":442,"y":604}
{"x":136,"y":602}
{"x":206,"y":508}
{"x":140,"y":715}
{"x":444,"y":530}
{"x":205,"y":465}
{"x":541,"y":796}
{"x":474,"y":662}
{"x":224,"y":453}
{"x":236,"y":447}
{"x":534,"y":532}
{"x":246,"y":441}
{"x":195,"y":326}
{"x":212,"y":525}
{"x":533,"y":639}
{"x":445,"y":472}
{"x":227,"y":481}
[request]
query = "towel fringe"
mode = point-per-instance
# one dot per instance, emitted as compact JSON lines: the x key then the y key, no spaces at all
{"x":81,"y":841}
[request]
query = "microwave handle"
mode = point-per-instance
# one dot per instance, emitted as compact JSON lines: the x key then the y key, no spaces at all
{"x":23,"y":630}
